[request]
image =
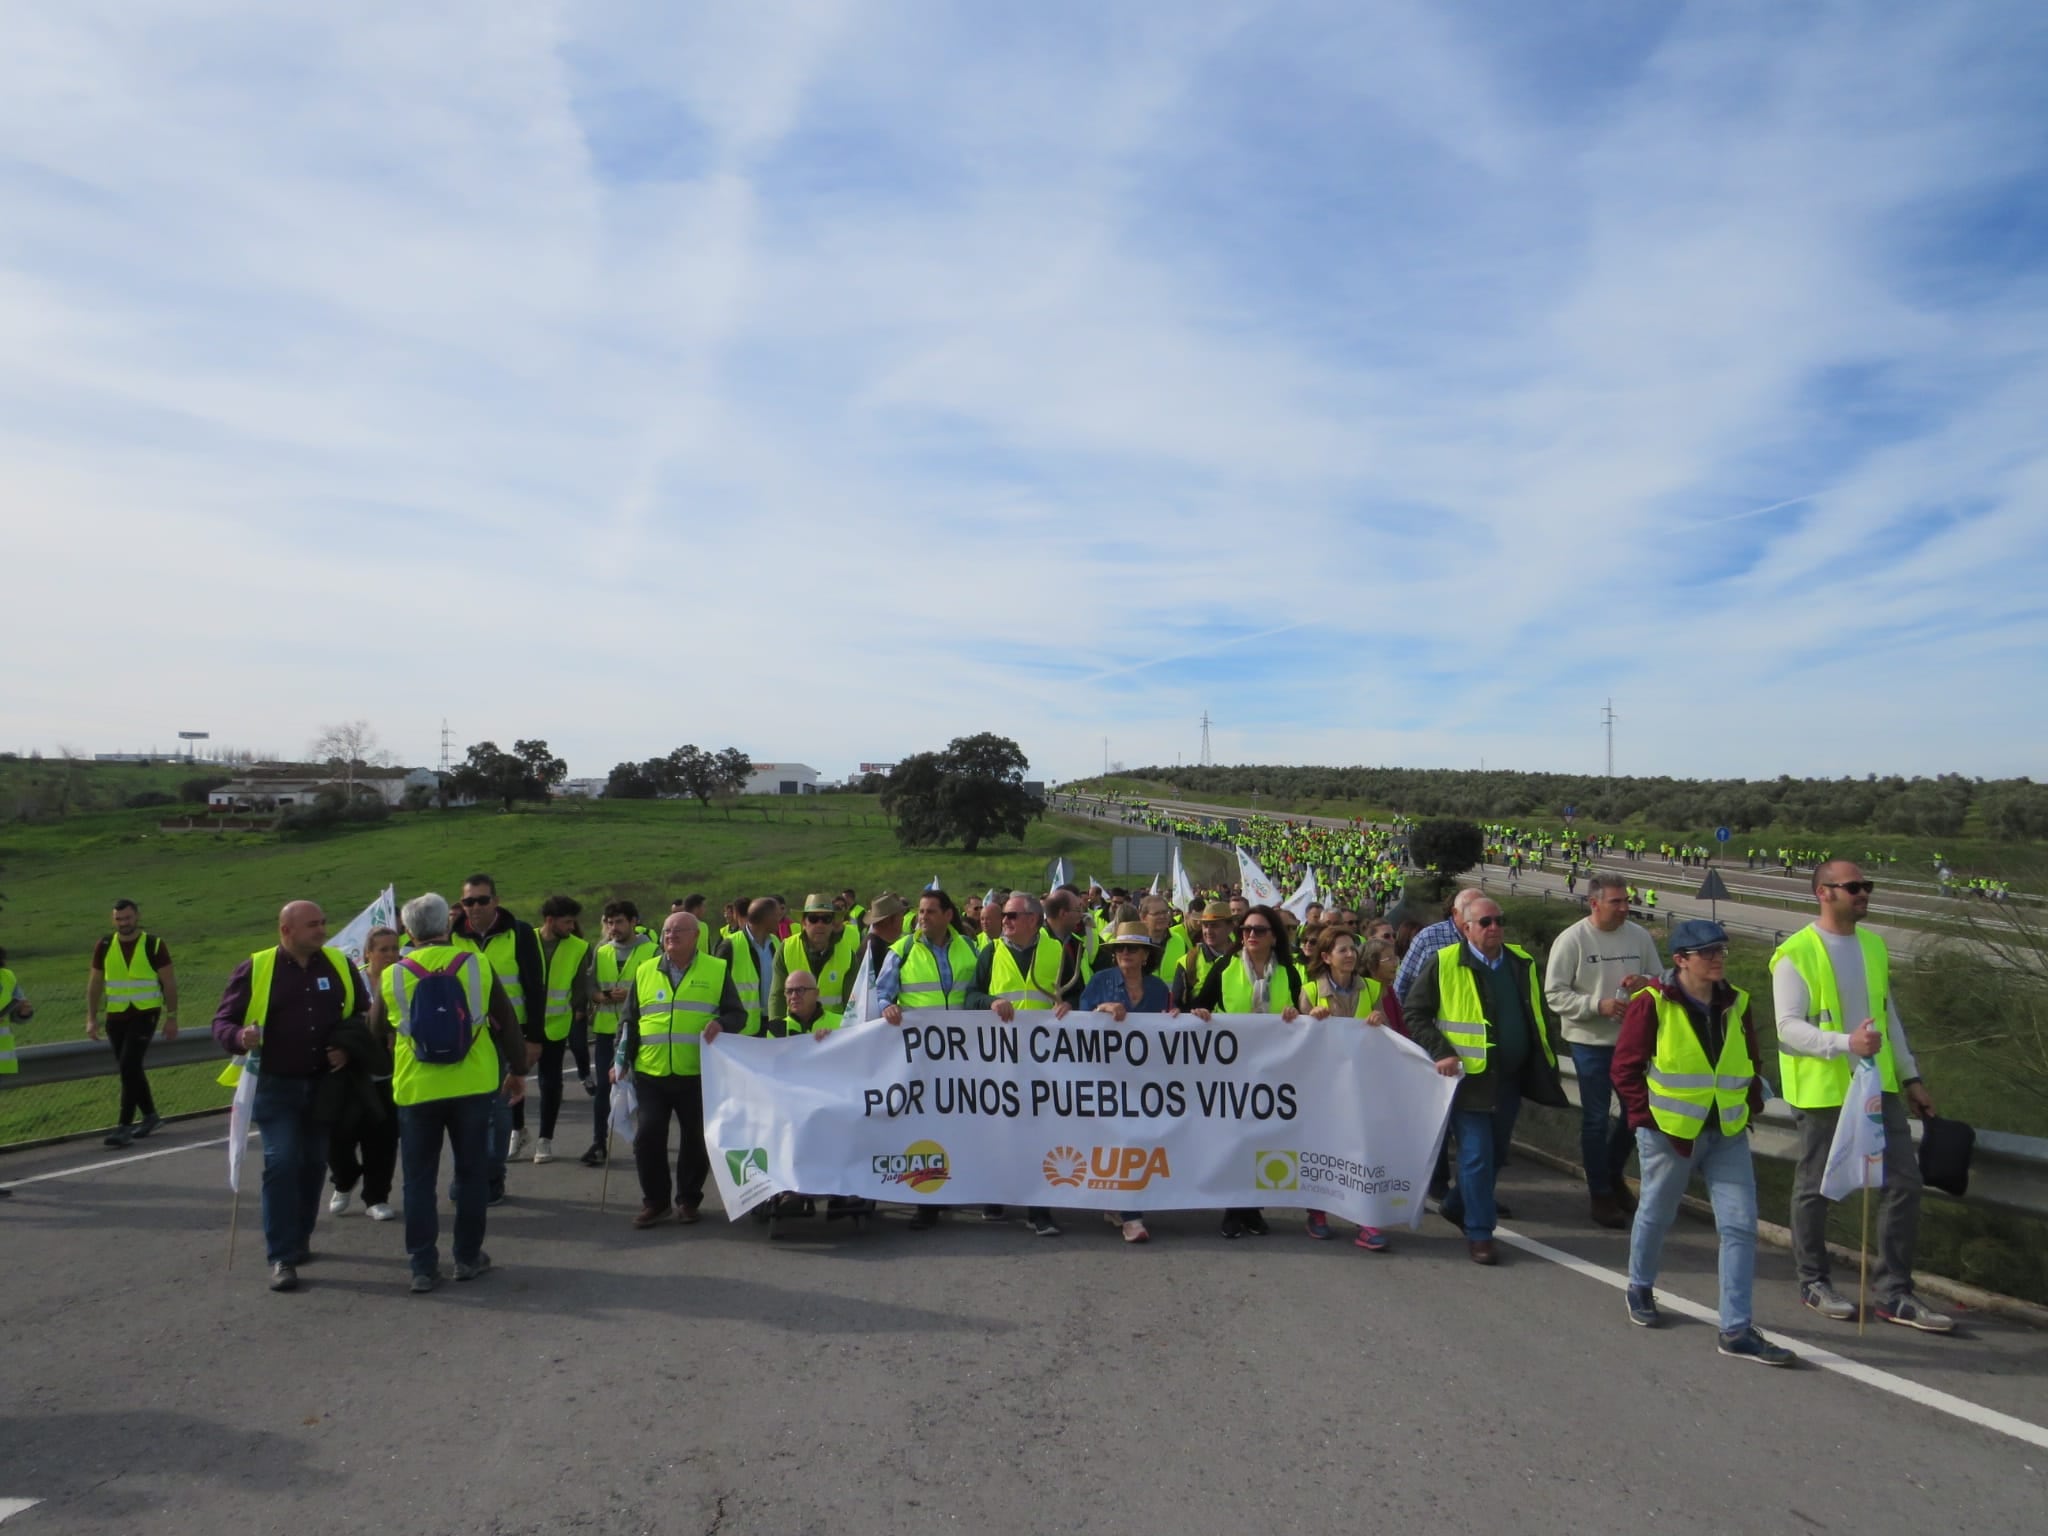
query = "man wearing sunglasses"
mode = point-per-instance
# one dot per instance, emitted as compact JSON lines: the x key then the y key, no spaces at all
{"x":1477,"y":1008}
{"x":826,"y":946}
{"x":513,"y":949}
{"x":1828,"y":973}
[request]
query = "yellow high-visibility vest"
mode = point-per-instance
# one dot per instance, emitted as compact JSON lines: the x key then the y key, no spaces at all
{"x":609,"y":969}
{"x":1684,"y":1087}
{"x":10,"y":1058}
{"x":1461,"y":1016}
{"x":131,"y":981}
{"x":418,"y":1082}
{"x":919,"y":984}
{"x":1237,"y":987}
{"x":836,"y":968}
{"x":1007,"y":982}
{"x":673,"y":1015}
{"x":563,"y":965}
{"x":1822,"y":1082}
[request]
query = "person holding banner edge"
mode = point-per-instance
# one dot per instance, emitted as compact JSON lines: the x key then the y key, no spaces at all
{"x":1026,"y":970}
{"x":1259,"y":978}
{"x":1128,"y":987}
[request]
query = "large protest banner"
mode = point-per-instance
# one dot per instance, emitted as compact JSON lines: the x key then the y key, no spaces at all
{"x":1151,"y":1114}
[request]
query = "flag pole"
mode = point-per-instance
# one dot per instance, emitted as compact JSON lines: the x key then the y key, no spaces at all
{"x":234,"y":1220}
{"x":1863,"y":1263}
{"x":604,"y":1185}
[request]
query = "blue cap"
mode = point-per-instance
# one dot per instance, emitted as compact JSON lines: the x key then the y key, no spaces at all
{"x":1696,"y":933}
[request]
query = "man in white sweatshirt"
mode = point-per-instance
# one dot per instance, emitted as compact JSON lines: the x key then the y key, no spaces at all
{"x":1595,"y":967}
{"x":1823,"y":977}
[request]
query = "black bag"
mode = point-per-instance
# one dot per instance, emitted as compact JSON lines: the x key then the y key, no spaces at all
{"x":1945,"y":1147}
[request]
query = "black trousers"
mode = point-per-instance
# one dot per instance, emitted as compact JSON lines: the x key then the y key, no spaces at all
{"x":660,"y":1099}
{"x":129,"y":1033}
{"x":368,"y":1151}
{"x":551,"y":1054}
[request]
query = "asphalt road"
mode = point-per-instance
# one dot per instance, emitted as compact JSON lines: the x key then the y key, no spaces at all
{"x":968,"y":1378}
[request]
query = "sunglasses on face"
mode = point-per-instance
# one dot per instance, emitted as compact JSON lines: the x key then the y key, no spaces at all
{"x":479,"y":901}
{"x":1489,"y":922}
{"x":1250,"y":930}
{"x":798,"y":991}
{"x":1015,"y":917}
{"x":1853,"y":887}
{"x":817,"y":917}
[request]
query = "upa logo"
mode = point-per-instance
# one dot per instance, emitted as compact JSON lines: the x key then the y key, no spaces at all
{"x":1123,"y":1168}
{"x":746,"y":1164}
{"x":1065,"y":1167}
{"x":1276,"y":1170}
{"x":923,"y":1166}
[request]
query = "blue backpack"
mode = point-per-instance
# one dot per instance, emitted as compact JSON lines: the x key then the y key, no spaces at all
{"x":437,"y":1017}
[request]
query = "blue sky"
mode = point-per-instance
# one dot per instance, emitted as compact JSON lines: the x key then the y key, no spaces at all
{"x":1396,"y":383}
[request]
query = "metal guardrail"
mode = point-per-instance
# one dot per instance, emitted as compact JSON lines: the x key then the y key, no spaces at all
{"x":71,"y":1061}
{"x":2006,"y":1171}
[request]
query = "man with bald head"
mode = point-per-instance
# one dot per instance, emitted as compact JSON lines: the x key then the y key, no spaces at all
{"x":296,"y":1012}
{"x":679,"y":1000}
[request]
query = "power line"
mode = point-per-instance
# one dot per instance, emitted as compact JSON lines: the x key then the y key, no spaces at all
{"x":1607,"y":718}
{"x":1207,"y":759}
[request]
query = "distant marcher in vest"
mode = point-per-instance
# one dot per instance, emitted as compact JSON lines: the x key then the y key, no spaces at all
{"x":826,"y":948}
{"x":1595,"y":967}
{"x":614,"y":964}
{"x":513,"y":949}
{"x":15,"y":1008}
{"x":850,"y":909}
{"x":1169,"y":944}
{"x":363,"y":1143}
{"x":1259,"y":978}
{"x":1022,"y":973}
{"x":680,"y":999}
{"x":1684,"y":1068}
{"x":1831,"y":983}
{"x":458,"y":1052}
{"x":132,"y":981}
{"x":1128,"y":987}
{"x":992,"y":918}
{"x":752,"y":950}
{"x":884,"y":932}
{"x":1068,"y":923}
{"x":1479,"y":1007}
{"x":970,"y":916}
{"x":297,"y":1011}
{"x":565,"y":962}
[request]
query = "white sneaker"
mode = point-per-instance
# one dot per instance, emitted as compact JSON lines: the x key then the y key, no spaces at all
{"x":544,"y":1151}
{"x":516,"y":1145}
{"x":340,"y":1202}
{"x":381,"y":1212}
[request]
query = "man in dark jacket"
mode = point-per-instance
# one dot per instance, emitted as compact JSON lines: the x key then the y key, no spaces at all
{"x":1478,"y":1005}
{"x":301,"y":1008}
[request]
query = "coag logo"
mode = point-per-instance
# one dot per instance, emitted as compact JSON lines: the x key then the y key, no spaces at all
{"x":1065,"y":1167}
{"x":747,"y":1163}
{"x":922,"y":1165}
{"x":1122,"y":1168}
{"x":1276,"y":1170}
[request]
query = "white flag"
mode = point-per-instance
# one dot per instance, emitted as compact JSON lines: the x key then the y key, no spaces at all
{"x":1304,"y":894}
{"x":381,"y":913}
{"x":239,"y":1113}
{"x":1062,"y":873}
{"x":1155,"y":887}
{"x":860,"y":997}
{"x":1183,"y":887}
{"x":1252,"y":880}
{"x":932,"y":884}
{"x":625,"y":1104}
{"x":1856,"y":1159}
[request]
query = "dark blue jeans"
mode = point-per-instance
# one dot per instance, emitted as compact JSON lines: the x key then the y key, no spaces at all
{"x":465,"y":1122}
{"x":294,"y":1164}
{"x":1483,"y":1137}
{"x":601,"y":1106}
{"x":1604,"y":1140}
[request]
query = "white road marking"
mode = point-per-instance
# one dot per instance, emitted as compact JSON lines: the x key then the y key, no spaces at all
{"x":115,"y":1162}
{"x":1826,"y":1359}
{"x":16,"y":1506}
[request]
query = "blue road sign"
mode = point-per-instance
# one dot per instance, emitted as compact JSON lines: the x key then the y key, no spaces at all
{"x":1721,"y":833}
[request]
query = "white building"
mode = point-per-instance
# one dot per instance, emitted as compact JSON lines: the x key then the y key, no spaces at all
{"x":271,"y":786}
{"x":583,"y":789}
{"x":781,"y":779}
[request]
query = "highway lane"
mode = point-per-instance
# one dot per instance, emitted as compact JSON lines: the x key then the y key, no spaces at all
{"x":700,"y":1379}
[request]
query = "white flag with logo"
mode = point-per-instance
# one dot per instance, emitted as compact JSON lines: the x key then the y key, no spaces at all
{"x":381,"y":913}
{"x":625,"y":1104}
{"x":1252,"y":880}
{"x":1183,"y":887}
{"x":1856,"y":1158}
{"x":1304,"y":895}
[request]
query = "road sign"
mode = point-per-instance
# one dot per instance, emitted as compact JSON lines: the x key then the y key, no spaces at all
{"x":1714,"y":890}
{"x":1721,"y":834}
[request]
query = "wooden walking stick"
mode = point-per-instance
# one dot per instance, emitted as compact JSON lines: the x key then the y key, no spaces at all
{"x":1863,"y":1261}
{"x":604,"y":1185}
{"x":234,"y":1219}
